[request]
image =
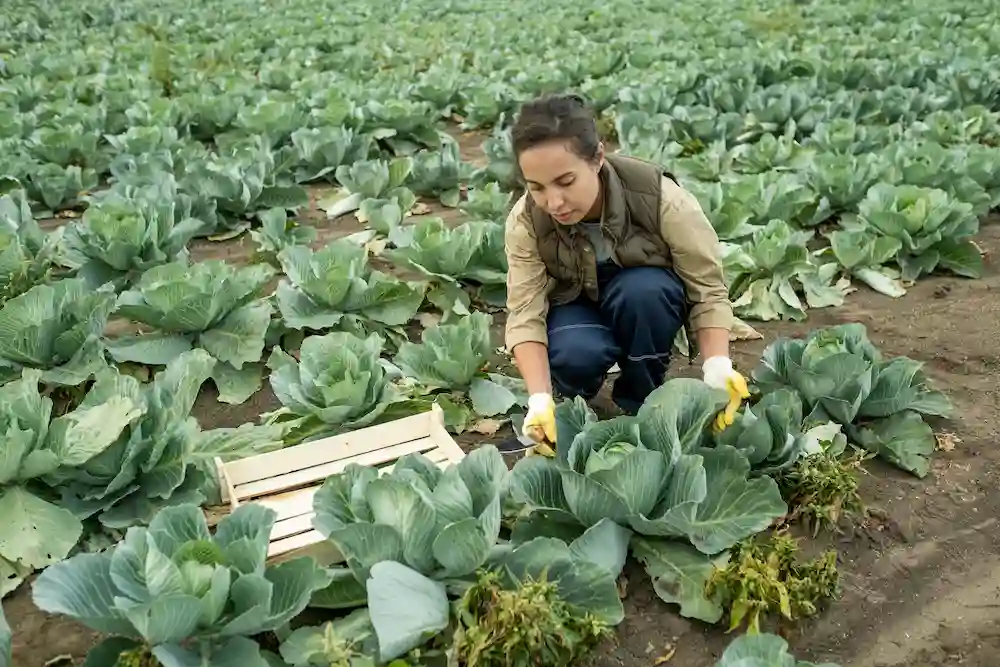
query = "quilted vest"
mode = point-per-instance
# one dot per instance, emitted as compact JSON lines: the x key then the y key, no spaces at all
{"x":631,"y":223}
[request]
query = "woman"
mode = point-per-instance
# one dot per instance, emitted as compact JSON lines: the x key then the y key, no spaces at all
{"x":609,"y":257}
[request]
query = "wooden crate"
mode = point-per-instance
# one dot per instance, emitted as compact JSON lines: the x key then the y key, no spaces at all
{"x":286,"y":480}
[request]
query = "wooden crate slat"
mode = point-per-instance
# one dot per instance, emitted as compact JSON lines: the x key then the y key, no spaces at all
{"x":446,"y":444}
{"x":290,"y":504}
{"x":304,"y":476}
{"x":292,"y":526}
{"x":437,"y":455}
{"x":304,"y":544}
{"x":290,"y":459}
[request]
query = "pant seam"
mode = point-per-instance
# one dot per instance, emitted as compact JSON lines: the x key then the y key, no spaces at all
{"x":649,"y":357}
{"x":587,"y":325}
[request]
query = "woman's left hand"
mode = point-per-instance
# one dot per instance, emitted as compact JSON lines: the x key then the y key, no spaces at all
{"x":718,"y":372}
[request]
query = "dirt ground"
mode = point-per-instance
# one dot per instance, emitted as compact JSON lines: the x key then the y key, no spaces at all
{"x":923,"y":593}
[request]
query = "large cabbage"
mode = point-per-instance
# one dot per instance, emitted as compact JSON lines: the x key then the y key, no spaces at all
{"x":338,"y":383}
{"x":651,"y":474}
{"x":842,"y":377}
{"x":210,"y":305}
{"x":192,"y":597}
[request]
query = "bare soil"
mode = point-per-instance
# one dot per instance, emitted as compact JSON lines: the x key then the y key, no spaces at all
{"x":920,"y":589}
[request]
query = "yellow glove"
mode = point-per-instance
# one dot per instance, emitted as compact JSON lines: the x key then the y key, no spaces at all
{"x":540,"y":424}
{"x":719,"y":373}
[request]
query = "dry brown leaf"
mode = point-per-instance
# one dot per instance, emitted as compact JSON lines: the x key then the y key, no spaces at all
{"x":622,"y":586}
{"x":428,"y":320}
{"x":59,"y":661}
{"x":946,"y":441}
{"x":667,"y":656}
{"x":743,"y":331}
{"x":420,"y":208}
{"x":376,"y":246}
{"x":487,"y":427}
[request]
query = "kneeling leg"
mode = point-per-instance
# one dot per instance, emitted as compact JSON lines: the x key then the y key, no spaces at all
{"x":646,"y":308}
{"x":581,"y":349}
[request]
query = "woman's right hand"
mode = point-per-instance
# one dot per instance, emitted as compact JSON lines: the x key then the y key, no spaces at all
{"x":540,"y":423}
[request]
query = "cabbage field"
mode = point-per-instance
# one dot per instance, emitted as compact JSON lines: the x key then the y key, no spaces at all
{"x":234,"y":226}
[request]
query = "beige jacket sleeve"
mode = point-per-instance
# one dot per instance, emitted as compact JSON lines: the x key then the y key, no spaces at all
{"x":694,"y":247}
{"x":527,"y":281}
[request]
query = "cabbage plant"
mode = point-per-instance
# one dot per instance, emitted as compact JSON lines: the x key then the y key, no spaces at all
{"x":842,"y":377}
{"x":770,"y":152}
{"x":209,"y":305}
{"x":56,"y":329}
{"x":933,"y":228}
{"x":246,"y":178}
{"x":769,"y":433}
{"x":451,"y":256}
{"x":129,"y":229}
{"x":321,"y":150}
{"x":451,"y":359}
{"x":864,"y":255}
{"x":766,"y":274}
{"x":190,"y":597}
{"x":162,"y":457}
{"x":762,"y":650}
{"x":653,"y":474}
{"x":487,"y":202}
{"x":440,"y":173}
{"x":843,"y":179}
{"x":28,"y":256}
{"x":37,"y":530}
{"x":339,"y":382}
{"x":411,"y":534}
{"x":336,"y":288}
{"x":371,"y":184}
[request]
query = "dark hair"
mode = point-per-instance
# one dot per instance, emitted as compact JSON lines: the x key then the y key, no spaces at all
{"x":556,"y":117}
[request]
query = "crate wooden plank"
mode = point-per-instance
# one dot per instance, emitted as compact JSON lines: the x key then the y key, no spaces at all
{"x":279,"y":483}
{"x":292,"y":526}
{"x":304,"y":544}
{"x":290,"y":459}
{"x":445,"y":443}
{"x":290,"y":504}
{"x":225,"y":485}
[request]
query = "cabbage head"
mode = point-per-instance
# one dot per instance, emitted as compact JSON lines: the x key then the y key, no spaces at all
{"x":338,"y":383}
{"x":194,"y":598}
{"x":652,"y":473}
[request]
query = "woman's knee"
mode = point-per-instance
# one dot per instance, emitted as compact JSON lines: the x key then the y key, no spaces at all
{"x":645,"y":290}
{"x":582,"y":351}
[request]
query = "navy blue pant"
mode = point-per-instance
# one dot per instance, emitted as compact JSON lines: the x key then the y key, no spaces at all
{"x":634,"y":323}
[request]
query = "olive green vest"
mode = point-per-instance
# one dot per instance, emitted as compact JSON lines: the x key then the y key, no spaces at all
{"x":631,"y":223}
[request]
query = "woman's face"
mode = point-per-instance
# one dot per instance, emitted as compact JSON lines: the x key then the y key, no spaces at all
{"x":562,"y":183}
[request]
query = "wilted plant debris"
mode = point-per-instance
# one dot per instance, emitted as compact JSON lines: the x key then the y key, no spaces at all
{"x":822,"y":489}
{"x":762,"y":579}
{"x":529,"y":625}
{"x":137,"y":657}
